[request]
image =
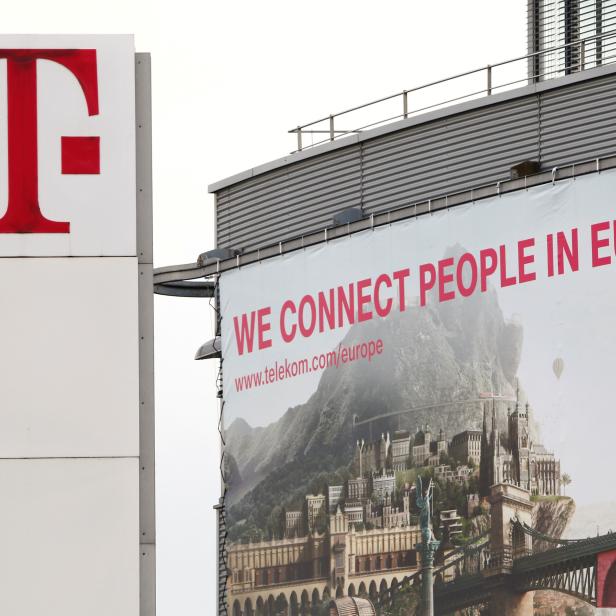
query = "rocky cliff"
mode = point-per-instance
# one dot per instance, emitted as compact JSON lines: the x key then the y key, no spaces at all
{"x":551,"y":516}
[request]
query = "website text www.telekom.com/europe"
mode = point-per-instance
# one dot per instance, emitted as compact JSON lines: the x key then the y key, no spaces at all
{"x":288,"y":369}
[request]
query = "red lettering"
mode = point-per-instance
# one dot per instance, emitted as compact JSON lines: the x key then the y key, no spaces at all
{"x":571,"y":252}
{"x":381,"y":310}
{"x":23,"y":213}
{"x":445,"y":278}
{"x":264,"y":327}
{"x":327,"y":312}
{"x":466,"y":291}
{"x":427,"y":278}
{"x":506,"y":281}
{"x":550,"y":249}
{"x":598,"y":243}
{"x":487,"y":270}
{"x":244,"y":333}
{"x":346,"y":305}
{"x":524,"y":260}
{"x":288,"y":306}
{"x":400,"y":276}
{"x":306,"y":330}
{"x":363,"y":299}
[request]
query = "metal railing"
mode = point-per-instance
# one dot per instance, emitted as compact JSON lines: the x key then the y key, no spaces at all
{"x":477,"y":83}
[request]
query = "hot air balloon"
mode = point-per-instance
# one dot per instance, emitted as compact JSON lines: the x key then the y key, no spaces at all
{"x":558,"y":366}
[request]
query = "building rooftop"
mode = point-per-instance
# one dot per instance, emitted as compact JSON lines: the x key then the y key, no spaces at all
{"x":491,"y":84}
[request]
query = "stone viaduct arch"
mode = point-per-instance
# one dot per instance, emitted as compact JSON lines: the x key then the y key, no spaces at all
{"x":303,"y":599}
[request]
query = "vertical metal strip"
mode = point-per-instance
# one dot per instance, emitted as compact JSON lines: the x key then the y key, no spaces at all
{"x":599,"y":32}
{"x":147,"y":529}
{"x":572,"y":34}
{"x":533,"y":37}
{"x":221,"y":525}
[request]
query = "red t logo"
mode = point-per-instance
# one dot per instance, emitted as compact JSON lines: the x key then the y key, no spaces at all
{"x":79,"y":154}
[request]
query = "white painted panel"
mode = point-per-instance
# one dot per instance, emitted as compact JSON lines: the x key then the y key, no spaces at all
{"x":69,"y":357}
{"x":101,"y":208}
{"x":70,"y":537}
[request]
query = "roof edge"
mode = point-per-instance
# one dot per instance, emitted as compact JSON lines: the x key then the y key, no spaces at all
{"x":424,"y":118}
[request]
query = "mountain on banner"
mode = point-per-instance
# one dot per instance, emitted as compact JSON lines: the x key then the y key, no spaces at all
{"x":445,"y":354}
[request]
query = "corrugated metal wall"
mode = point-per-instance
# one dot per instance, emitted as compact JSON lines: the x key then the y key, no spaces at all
{"x":287,"y":201}
{"x":448,"y":155}
{"x":578,"y":122}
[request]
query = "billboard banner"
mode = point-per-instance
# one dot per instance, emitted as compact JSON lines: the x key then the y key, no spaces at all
{"x":470,"y":348}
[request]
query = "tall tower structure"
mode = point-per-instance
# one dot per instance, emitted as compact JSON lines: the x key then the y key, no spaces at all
{"x":360,"y":452}
{"x":490,"y":469}
{"x":519,"y":445}
{"x":485,"y":463}
{"x":496,"y":475}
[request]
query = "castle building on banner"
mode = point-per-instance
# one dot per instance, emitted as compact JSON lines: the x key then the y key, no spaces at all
{"x":315,"y":505}
{"x":360,"y":537}
{"x":383,"y":485}
{"x":519,"y":460}
{"x":401,"y":450}
{"x":334,"y":497}
{"x":511,"y":458}
{"x":466,"y":446}
{"x":358,"y":489}
{"x":316,"y":567}
{"x":294,"y":522}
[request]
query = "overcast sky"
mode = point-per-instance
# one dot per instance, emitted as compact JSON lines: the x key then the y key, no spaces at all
{"x":229,"y":80}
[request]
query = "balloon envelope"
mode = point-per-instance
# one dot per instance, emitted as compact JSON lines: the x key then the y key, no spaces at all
{"x":558,"y":366}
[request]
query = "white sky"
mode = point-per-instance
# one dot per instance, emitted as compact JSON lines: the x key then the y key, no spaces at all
{"x":229,"y":79}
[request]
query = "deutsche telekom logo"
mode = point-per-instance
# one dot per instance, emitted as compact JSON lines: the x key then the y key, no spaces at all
{"x":80,"y":155}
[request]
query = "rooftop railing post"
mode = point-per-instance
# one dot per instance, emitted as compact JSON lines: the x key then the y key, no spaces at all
{"x":542,"y":65}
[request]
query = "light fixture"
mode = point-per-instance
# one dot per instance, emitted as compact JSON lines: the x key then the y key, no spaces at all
{"x":209,"y":349}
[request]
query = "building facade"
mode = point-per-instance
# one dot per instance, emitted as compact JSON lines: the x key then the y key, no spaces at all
{"x":358,"y":488}
{"x":520,"y":462}
{"x":466,"y":446}
{"x":293,"y":524}
{"x":334,"y":497}
{"x":315,"y":505}
{"x":383,"y":486}
{"x":342,"y":561}
{"x":400,"y":449}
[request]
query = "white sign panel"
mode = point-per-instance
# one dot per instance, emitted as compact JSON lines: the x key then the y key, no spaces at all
{"x":67,"y":146}
{"x":70,"y":533}
{"x":70,"y":362}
